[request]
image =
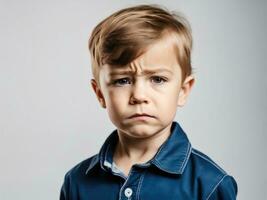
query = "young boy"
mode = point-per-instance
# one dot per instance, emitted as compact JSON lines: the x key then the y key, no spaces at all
{"x":142,"y":73}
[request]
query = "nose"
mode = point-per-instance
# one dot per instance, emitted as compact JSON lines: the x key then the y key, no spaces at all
{"x":138,"y":94}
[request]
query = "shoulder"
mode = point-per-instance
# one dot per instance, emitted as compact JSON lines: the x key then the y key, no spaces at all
{"x":76,"y":176}
{"x":81,"y":169}
{"x":204,"y":161}
{"x":214,"y":181}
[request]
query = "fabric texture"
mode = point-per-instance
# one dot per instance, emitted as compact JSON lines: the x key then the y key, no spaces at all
{"x":177,"y":171}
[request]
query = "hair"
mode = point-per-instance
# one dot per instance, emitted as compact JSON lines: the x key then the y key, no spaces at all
{"x":126,"y":34}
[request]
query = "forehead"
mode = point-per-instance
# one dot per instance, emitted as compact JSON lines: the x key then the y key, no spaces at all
{"x":159,"y":57}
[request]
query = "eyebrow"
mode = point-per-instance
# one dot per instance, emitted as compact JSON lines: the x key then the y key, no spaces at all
{"x":145,"y":72}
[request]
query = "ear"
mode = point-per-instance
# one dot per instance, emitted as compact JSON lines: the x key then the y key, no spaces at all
{"x":185,"y":90}
{"x":98,"y":93}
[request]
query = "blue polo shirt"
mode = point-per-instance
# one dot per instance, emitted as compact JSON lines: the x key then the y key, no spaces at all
{"x":177,"y":171}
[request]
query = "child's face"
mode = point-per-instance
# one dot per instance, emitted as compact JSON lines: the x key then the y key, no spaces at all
{"x":149,"y":85}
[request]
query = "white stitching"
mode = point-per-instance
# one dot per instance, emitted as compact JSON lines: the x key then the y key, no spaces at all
{"x":186,"y":159}
{"x":216,"y":187}
{"x":139,"y":186}
{"x":162,"y":168}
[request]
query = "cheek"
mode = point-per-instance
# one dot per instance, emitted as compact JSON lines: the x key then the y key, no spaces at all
{"x":170,"y":95}
{"x":116,"y":102}
{"x":117,"y":98}
{"x":169,"y":101}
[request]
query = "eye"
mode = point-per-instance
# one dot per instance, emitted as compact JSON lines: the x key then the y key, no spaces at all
{"x":158,"y":79}
{"x":122,"y":81}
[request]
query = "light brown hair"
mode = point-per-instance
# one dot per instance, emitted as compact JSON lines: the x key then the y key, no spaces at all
{"x":123,"y":36}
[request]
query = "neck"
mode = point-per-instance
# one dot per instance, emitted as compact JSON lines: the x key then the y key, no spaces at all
{"x":139,"y":150}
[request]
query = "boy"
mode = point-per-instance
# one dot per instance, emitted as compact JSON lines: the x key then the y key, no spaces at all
{"x":142,"y":73}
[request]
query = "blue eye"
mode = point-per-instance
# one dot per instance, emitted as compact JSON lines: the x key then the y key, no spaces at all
{"x":158,"y":80}
{"x":122,"y":81}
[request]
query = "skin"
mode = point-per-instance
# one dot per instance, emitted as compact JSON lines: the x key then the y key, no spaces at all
{"x":151,"y":84}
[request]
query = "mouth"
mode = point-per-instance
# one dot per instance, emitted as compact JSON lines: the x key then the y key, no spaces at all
{"x":141,"y":116}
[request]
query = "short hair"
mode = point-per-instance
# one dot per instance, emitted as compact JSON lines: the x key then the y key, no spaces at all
{"x":126,"y":34}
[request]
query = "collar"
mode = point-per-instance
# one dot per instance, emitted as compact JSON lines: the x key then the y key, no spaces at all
{"x":174,"y":153}
{"x":171,"y":157}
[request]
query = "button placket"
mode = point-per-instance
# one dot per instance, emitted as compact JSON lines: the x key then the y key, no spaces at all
{"x":127,"y":191}
{"x":129,"y":188}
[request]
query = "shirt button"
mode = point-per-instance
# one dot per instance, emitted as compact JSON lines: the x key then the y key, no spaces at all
{"x":128,"y":192}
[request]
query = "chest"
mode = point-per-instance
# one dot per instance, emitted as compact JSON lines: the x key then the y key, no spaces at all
{"x":139,"y":185}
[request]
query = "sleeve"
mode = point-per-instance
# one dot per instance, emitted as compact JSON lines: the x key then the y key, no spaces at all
{"x":226,"y":189}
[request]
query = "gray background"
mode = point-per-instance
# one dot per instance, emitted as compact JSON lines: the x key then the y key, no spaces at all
{"x":50,"y":119}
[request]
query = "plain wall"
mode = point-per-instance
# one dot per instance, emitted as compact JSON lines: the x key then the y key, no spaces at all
{"x":50,"y":119}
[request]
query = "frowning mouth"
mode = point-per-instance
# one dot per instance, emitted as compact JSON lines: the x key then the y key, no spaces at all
{"x":141,"y":116}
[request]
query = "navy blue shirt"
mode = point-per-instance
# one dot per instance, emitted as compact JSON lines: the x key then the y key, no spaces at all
{"x":177,"y":171}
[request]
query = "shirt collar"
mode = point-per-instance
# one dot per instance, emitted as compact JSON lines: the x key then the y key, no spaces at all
{"x":105,"y":155}
{"x":171,"y":157}
{"x":174,"y":153}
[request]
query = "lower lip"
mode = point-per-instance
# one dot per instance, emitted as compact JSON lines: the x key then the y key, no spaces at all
{"x":141,"y":117}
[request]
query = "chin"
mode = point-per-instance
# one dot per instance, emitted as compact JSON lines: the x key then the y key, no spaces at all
{"x":140,"y":131}
{"x":139,"y":135}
